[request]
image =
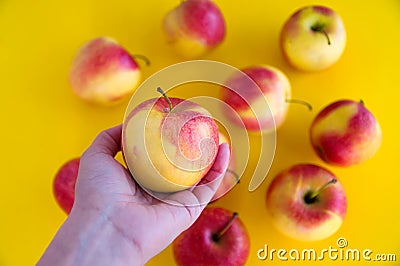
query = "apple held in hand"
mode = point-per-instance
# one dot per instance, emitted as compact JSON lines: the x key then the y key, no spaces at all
{"x":169,"y":144}
{"x":103,"y":72}
{"x":194,"y":27}
{"x":230,"y":178}
{"x":218,"y":237}
{"x":275,"y":90}
{"x":306,"y":202}
{"x":345,"y":133}
{"x":64,"y":184}
{"x":313,"y":38}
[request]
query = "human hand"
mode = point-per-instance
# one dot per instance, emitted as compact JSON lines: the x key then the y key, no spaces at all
{"x":114,"y":221}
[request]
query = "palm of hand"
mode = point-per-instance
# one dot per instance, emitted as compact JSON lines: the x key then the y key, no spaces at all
{"x":108,"y":187}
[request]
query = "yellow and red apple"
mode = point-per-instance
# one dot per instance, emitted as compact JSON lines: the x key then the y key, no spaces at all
{"x":169,"y":144}
{"x":194,"y":27}
{"x":306,"y":202}
{"x":247,"y":101}
{"x":345,"y":133}
{"x":64,"y":184}
{"x":313,"y":38}
{"x":218,"y":237}
{"x":103,"y":72}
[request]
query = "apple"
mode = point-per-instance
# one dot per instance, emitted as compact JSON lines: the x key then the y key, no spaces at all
{"x":313,"y":38}
{"x":194,"y":27}
{"x":231,"y":178}
{"x":345,"y":133}
{"x":64,"y":184}
{"x":306,"y":202}
{"x":218,"y":237}
{"x":103,"y":72}
{"x":275,"y":88}
{"x":169,"y":144}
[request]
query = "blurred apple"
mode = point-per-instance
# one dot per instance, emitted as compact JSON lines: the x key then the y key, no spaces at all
{"x":169,"y":144}
{"x":275,"y":88}
{"x":313,"y":38}
{"x":306,"y":202}
{"x":230,"y":178}
{"x":103,"y":72}
{"x":64,"y":184}
{"x":194,"y":27}
{"x":345,"y":133}
{"x":218,"y":237}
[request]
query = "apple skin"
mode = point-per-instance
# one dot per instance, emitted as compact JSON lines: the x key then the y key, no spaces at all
{"x":307,"y":49}
{"x":230,"y":179}
{"x":64,"y":184}
{"x":103,"y":72}
{"x":276,"y":89}
{"x":168,"y":151}
{"x":345,"y":133}
{"x":194,"y":27}
{"x":196,"y":246}
{"x":300,"y":220}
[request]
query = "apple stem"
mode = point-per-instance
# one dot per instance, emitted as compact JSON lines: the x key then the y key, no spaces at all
{"x":362,"y":102}
{"x":217,"y":236}
{"x":309,"y":106}
{"x":320,"y":28}
{"x":166,"y":97}
{"x":312,"y":196}
{"x":142,"y":57}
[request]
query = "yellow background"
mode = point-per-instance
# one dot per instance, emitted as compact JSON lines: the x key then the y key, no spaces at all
{"x":44,"y":124}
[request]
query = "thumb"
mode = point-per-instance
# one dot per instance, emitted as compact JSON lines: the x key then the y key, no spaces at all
{"x":108,"y":142}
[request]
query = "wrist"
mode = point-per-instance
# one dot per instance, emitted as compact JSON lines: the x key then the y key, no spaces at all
{"x":89,"y":237}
